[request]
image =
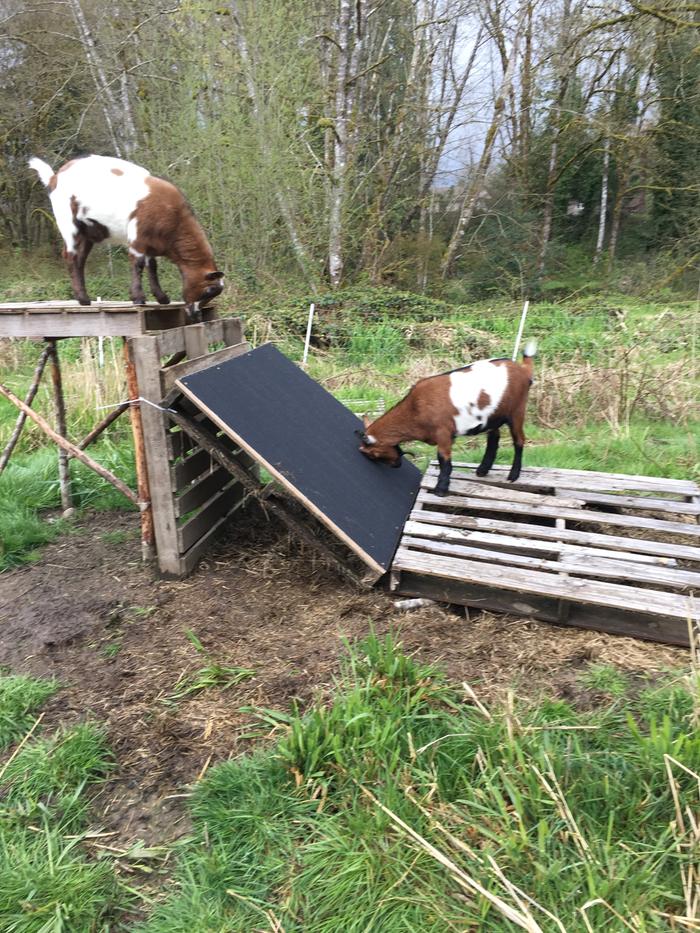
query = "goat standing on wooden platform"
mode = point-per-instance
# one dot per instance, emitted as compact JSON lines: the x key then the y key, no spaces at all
{"x":481,"y":397}
{"x":95,"y":198}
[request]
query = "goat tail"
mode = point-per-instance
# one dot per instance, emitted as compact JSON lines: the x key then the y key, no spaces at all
{"x":43,"y":169}
{"x":529,"y":353}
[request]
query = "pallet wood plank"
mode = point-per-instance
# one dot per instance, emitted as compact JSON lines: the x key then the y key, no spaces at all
{"x":193,"y":555}
{"x":485,"y":491}
{"x":571,"y":535}
{"x":200,"y":491}
{"x":495,"y":541}
{"x":594,"y":592}
{"x":575,"y":565}
{"x":547,"y":609}
{"x":581,"y":516}
{"x":585,"y":479}
{"x":194,"y":528}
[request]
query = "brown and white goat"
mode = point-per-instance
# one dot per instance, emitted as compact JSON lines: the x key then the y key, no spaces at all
{"x":481,"y":397}
{"x":95,"y":198}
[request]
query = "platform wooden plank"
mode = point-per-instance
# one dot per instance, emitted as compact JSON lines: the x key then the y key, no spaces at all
{"x":645,"y":503}
{"x":495,"y":541}
{"x":306,"y":439}
{"x":576,"y":565}
{"x":580,"y":516}
{"x":578,"y":479}
{"x":593,"y":592}
{"x":571,"y":535}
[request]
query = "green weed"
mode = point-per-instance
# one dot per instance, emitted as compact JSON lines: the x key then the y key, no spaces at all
{"x":20,"y":698}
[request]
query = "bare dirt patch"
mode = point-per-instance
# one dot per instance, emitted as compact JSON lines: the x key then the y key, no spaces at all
{"x":115,"y":636}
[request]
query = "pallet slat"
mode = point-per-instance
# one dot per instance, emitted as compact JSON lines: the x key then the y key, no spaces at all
{"x":586,"y":566}
{"x":528,"y":545}
{"x":200,"y":491}
{"x":571,"y":535}
{"x":573,"y":515}
{"x":199,"y":524}
{"x":594,"y":592}
{"x":568,"y":479}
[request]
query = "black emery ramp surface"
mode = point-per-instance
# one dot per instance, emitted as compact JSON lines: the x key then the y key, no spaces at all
{"x":306,"y":437}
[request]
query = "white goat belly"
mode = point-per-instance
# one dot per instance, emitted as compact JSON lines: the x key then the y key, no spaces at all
{"x":107,"y":190}
{"x":476,"y":394}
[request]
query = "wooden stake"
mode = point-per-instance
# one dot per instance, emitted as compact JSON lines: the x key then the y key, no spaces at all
{"x":68,"y":447}
{"x":21,"y":418}
{"x":147,"y":534}
{"x":60,"y":408}
{"x":103,"y":425}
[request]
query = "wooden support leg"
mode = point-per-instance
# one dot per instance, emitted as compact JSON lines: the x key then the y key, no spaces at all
{"x":60,"y":408}
{"x":21,"y":418}
{"x":147,"y":363}
{"x":142,"y":483}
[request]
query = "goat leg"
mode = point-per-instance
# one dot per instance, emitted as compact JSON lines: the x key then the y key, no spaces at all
{"x":445,"y":461}
{"x":158,"y":292}
{"x":516,"y":432}
{"x":76,"y":269}
{"x":489,"y":457}
{"x":136,"y":292}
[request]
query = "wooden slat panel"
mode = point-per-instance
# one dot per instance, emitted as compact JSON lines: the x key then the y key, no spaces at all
{"x":501,"y":541}
{"x":577,"y":566}
{"x":545,"y":584}
{"x":33,"y":307}
{"x":583,"y":479}
{"x":186,"y":470}
{"x":571,"y":535}
{"x":201,"y":491}
{"x":642,"y":503}
{"x":570,"y":515}
{"x":190,"y":559}
{"x":546,"y":608}
{"x":199,"y":524}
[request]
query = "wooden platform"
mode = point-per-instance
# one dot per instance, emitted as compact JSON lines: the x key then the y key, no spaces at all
{"x":602,"y":551}
{"x":100,"y":319}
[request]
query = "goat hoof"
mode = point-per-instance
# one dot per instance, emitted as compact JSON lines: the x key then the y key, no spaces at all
{"x":84,"y":300}
{"x":512,"y":477}
{"x":162,"y":299}
{"x":482,"y":472}
{"x":139,"y":300}
{"x":440,"y":490}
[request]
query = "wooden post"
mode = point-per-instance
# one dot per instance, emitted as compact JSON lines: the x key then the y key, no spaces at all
{"x":21,"y":418}
{"x":60,"y":408}
{"x":142,"y":481}
{"x":146,"y":359}
{"x":66,"y":445}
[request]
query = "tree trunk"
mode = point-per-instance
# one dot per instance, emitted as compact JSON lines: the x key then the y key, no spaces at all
{"x":603,"y":203}
{"x":474,"y":188}
{"x":303,"y":260}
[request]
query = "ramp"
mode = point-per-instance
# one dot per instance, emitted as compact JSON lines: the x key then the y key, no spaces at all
{"x":297,"y":431}
{"x":603,"y":551}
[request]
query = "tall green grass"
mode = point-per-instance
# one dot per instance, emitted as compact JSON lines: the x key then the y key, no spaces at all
{"x":47,"y":882}
{"x":343,"y":824}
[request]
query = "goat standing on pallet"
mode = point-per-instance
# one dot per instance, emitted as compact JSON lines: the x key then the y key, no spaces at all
{"x":481,"y":397}
{"x":97,"y":197}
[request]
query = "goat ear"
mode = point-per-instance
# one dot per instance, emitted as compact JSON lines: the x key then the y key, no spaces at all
{"x":210,"y":276}
{"x":366,"y":420}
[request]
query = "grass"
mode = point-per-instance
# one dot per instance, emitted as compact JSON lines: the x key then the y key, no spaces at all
{"x":375,"y":805}
{"x":47,"y":884}
{"x":20,"y":698}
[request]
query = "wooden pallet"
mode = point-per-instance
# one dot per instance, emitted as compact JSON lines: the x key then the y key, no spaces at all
{"x":39,"y":319}
{"x":603,"y":551}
